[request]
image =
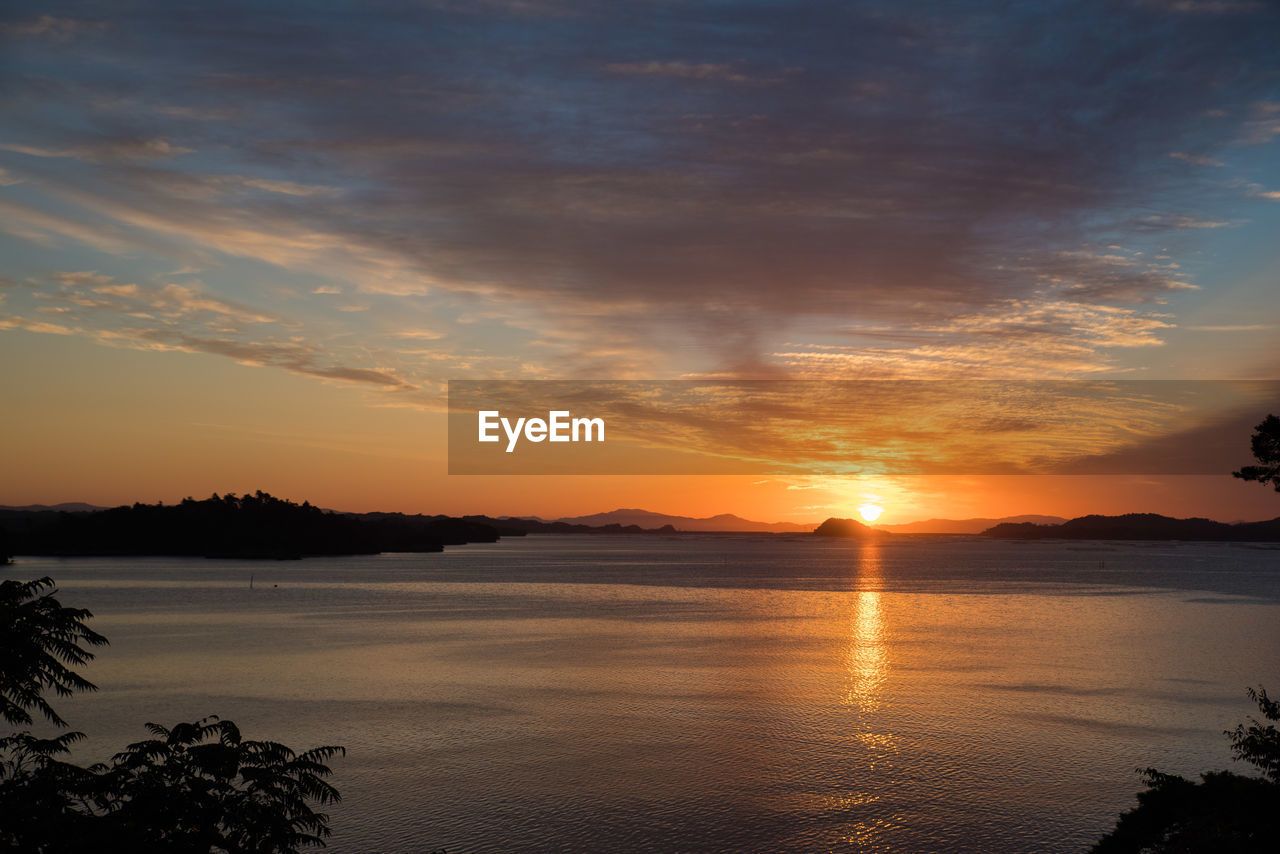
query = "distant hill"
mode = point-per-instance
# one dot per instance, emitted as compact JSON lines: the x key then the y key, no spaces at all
{"x":849,"y":529}
{"x":725,"y":522}
{"x":518,"y":526}
{"x":1140,"y":526}
{"x":65,"y":507}
{"x":965,"y":526}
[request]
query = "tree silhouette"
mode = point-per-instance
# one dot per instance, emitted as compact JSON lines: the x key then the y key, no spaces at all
{"x":38,"y":635}
{"x":1224,"y":812}
{"x":1266,"y":450}
{"x":200,"y":787}
{"x":195,"y":788}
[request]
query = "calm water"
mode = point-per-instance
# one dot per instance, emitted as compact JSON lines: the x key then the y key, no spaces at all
{"x":690,"y":694}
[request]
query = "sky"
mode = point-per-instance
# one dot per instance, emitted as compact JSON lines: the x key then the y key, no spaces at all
{"x":246,"y":246}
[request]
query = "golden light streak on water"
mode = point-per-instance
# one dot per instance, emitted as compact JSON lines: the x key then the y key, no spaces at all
{"x":867,"y":656}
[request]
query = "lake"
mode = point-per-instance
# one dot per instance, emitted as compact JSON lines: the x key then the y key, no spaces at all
{"x":701,"y":693}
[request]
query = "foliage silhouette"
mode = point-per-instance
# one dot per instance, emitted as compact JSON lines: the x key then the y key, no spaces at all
{"x":1224,"y":812}
{"x":192,"y":789}
{"x":38,"y":635}
{"x":200,"y":787}
{"x":1266,"y":450}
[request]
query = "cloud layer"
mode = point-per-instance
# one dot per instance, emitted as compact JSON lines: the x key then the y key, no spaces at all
{"x":627,"y":189}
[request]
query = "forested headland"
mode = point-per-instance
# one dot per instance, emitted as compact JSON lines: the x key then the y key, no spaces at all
{"x":255,"y":525}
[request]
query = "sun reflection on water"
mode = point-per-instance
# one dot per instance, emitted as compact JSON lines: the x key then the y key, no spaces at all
{"x":867,"y":657}
{"x":866,"y":666}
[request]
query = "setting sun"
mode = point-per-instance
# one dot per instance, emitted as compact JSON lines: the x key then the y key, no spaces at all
{"x":870,"y":512}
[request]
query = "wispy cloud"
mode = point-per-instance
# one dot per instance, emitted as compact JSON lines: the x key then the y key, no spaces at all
{"x":1180,"y":221}
{"x":103,"y":149}
{"x":53,"y":27}
{"x":185,"y":317}
{"x":16,"y":322}
{"x":88,"y":277}
{"x":290,"y":188}
{"x":1111,"y":277}
{"x":1232,"y":327}
{"x":1019,"y":338}
{"x":721,"y":71}
{"x":1196,"y":159}
{"x":1263,"y":125}
{"x":1208,"y":7}
{"x":295,"y":357}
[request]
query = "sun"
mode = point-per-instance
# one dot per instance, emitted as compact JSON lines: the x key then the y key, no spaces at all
{"x":870,"y":512}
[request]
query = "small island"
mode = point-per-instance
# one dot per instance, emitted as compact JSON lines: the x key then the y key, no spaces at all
{"x":850,"y":529}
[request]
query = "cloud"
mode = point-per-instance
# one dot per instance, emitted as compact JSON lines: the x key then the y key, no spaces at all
{"x":89,"y":277}
{"x":1197,"y":159}
{"x":183,"y":299}
{"x":115,"y":102}
{"x":627,"y":201}
{"x":1019,"y":338}
{"x":1208,"y":7}
{"x":292,"y":356}
{"x":1087,"y":276}
{"x":1071,"y":323}
{"x":50,"y":26}
{"x":684,"y":70}
{"x":105,"y":149}
{"x":289,"y":188}
{"x":16,"y":322}
{"x":95,"y":290}
{"x":1232,"y":327}
{"x":171,"y":300}
{"x":1263,"y":125}
{"x":1180,"y":221}
{"x":31,"y":223}
{"x":186,"y":318}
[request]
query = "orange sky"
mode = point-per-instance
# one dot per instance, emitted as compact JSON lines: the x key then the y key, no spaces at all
{"x":113,"y":425}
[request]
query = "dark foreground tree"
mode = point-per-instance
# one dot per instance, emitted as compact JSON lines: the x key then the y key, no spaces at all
{"x":1225,"y":813}
{"x":193,"y":789}
{"x":37,"y":635}
{"x":1266,"y":450}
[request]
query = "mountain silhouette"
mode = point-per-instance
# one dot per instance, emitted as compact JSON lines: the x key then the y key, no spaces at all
{"x":724,"y":522}
{"x":64,"y":507}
